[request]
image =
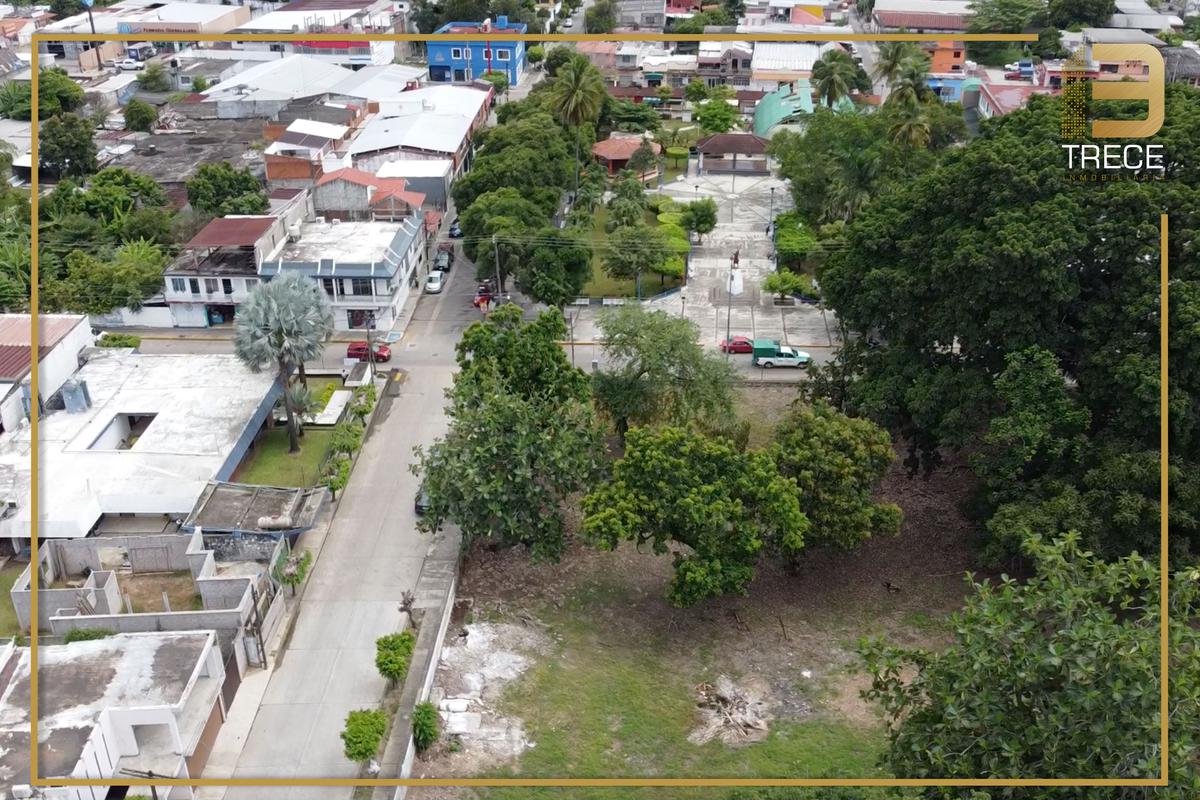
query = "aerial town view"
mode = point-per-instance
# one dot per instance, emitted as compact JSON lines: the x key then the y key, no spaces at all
{"x":454,"y":400}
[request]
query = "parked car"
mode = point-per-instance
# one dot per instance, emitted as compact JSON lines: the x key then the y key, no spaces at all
{"x":435,"y":282}
{"x":1015,"y":75}
{"x":441,"y":262}
{"x":569,"y":23}
{"x":1014,"y":66}
{"x":130,"y":64}
{"x":359,"y":350}
{"x":456,"y":231}
{"x":736,"y":344}
{"x":421,"y":503}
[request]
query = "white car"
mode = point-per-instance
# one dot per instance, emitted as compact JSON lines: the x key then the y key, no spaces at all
{"x":130,"y":64}
{"x":435,"y":282}
{"x":569,"y":23}
{"x":1013,"y":67}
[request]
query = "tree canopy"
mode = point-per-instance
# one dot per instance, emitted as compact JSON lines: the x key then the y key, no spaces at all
{"x":1058,"y":675}
{"x":220,"y":188}
{"x":656,"y":372}
{"x":726,"y":506}
{"x":66,"y":147}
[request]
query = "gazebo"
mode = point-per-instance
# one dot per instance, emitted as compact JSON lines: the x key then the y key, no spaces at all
{"x":733,"y":153}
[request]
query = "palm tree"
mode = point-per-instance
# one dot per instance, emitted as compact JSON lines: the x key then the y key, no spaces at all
{"x":834,"y":75}
{"x":576,"y":97}
{"x":911,"y":85}
{"x":282,"y":323}
{"x":911,"y":128}
{"x":852,"y":185}
{"x":891,"y":57}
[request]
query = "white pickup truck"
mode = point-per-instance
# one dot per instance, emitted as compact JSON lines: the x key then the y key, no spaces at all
{"x":131,"y":64}
{"x":782,"y":357}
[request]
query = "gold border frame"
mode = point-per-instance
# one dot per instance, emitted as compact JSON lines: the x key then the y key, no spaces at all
{"x":1164,"y":693}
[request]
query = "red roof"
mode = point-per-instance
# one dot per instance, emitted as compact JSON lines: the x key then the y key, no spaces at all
{"x":232,"y":232}
{"x":620,"y":149}
{"x":432,"y":220}
{"x":922,"y":20}
{"x":384,"y":187}
{"x":15,"y":340}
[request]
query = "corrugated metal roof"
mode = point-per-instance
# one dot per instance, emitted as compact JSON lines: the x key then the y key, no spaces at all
{"x":232,"y":232}
{"x":922,"y":21}
{"x":15,"y":340}
{"x":788,"y":56}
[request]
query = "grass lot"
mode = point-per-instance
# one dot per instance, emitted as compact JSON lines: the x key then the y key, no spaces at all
{"x":146,"y":590}
{"x":270,"y":464}
{"x":8,"y":615}
{"x":611,"y":691}
{"x":601,"y":285}
{"x":317,"y":384}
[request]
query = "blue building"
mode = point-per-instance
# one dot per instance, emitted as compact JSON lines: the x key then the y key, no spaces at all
{"x":952,"y":88}
{"x":465,"y":61}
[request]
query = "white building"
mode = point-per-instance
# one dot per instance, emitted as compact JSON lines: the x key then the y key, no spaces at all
{"x":61,"y":340}
{"x":315,"y":16}
{"x":138,"y":434}
{"x":267,"y":87}
{"x":143,"y":702}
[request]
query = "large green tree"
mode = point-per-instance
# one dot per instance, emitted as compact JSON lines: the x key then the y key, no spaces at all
{"x":66,"y":147}
{"x":508,"y":463}
{"x":1057,"y":676}
{"x":220,"y":188}
{"x":655,"y":371}
{"x":601,"y":17}
{"x":633,"y":250}
{"x":838,"y":462}
{"x":527,"y":154}
{"x":1089,"y":13}
{"x":727,"y":507}
{"x":834,"y":75}
{"x":558,"y":267}
{"x":717,"y":116}
{"x":700,"y":217}
{"x":524,"y":356}
{"x":95,"y":286}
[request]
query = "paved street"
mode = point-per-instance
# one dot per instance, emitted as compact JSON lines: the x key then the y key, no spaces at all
{"x":371,"y":555}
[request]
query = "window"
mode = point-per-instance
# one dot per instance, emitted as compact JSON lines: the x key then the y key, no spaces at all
{"x":958,"y":53}
{"x":226,"y":285}
{"x":195,"y":285}
{"x":1108,"y":68}
{"x":251,"y":284}
{"x":210,"y":285}
{"x":122,"y":432}
{"x":327,"y":285}
{"x":360,"y":286}
{"x":178,"y":285}
{"x":502,"y":55}
{"x":456,"y":52}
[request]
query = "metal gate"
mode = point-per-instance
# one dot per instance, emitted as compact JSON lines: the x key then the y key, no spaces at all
{"x":233,"y":679}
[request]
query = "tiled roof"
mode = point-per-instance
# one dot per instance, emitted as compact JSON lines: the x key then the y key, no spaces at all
{"x":384,"y":187}
{"x":620,"y":149}
{"x":15,"y":340}
{"x":916,"y":20}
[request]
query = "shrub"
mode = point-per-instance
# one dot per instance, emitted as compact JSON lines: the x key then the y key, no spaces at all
{"x":140,"y":116}
{"x":87,"y":634}
{"x":425,"y":725}
{"x":154,"y":79}
{"x":660,"y":203}
{"x":118,"y":340}
{"x":782,"y":283}
{"x":672,"y":267}
{"x":677,"y":154}
{"x":326,"y":395}
{"x":363,"y":402}
{"x":347,"y":437}
{"x":295,"y":569}
{"x":363,"y":733}
{"x":200,"y":83}
{"x":393,"y":653}
{"x":337,"y":473}
{"x":671,"y":218}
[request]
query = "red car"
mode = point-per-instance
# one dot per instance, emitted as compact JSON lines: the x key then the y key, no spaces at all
{"x":1014,"y":76}
{"x":359,"y":350}
{"x":736,"y":344}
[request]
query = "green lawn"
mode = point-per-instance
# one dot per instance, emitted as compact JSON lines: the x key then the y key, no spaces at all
{"x":601,"y":285}
{"x":270,"y":464}
{"x":8,"y":615}
{"x":602,"y":707}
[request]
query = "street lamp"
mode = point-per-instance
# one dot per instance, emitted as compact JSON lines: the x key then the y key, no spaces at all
{"x":682,"y":300}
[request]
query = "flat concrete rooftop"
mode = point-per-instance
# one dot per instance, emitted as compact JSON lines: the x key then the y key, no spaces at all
{"x":160,"y":427}
{"x":76,"y":682}
{"x":350,"y":242}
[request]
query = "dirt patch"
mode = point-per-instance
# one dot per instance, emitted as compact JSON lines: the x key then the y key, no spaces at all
{"x":478,"y":661}
{"x":146,"y":590}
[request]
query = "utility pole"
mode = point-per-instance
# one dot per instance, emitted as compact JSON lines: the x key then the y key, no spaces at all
{"x":733,"y":262}
{"x":771,"y":226}
{"x":574,"y":314}
{"x":496,"y":252}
